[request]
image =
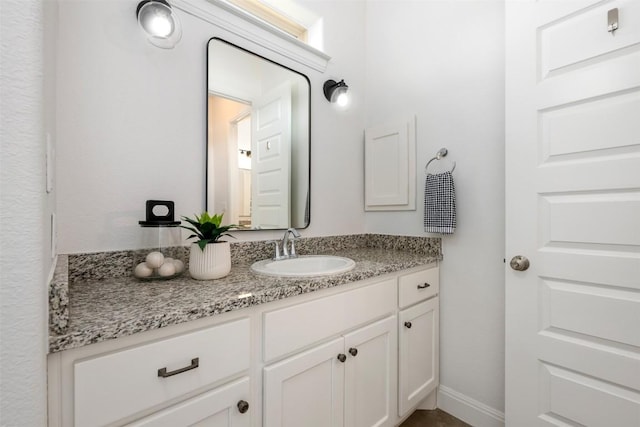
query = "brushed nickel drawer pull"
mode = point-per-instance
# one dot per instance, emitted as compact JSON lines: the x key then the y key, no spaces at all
{"x":162,"y":372}
{"x":424,"y":285}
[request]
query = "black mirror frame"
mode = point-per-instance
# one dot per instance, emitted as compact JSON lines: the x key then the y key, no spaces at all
{"x":206,"y":156}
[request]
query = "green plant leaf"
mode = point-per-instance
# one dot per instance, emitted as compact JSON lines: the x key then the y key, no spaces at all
{"x":190,"y":221}
{"x":207,"y":228}
{"x":217,"y":219}
{"x":193,"y":230}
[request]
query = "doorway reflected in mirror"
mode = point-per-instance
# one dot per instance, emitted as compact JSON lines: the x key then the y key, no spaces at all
{"x":258,"y":140}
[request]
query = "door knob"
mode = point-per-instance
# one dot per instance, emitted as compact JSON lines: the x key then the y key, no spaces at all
{"x":519,"y":263}
{"x":243,"y":406}
{"x":407,"y":325}
{"x":342,"y":357}
{"x":353,"y":351}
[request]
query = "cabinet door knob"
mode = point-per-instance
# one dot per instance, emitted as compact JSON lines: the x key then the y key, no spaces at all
{"x":353,"y":351}
{"x":424,"y":285}
{"x":407,"y":325}
{"x":243,"y":406}
{"x":342,"y":357}
{"x":162,"y":372}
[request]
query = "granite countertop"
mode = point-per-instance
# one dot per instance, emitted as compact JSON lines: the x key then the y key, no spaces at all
{"x":109,"y":308}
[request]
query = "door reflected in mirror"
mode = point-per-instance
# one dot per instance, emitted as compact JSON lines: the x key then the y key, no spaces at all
{"x":258,"y":140}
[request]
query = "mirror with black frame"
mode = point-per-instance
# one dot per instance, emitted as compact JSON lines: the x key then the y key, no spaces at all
{"x":258,"y":140}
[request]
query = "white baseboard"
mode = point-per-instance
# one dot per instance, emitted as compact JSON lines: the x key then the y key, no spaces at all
{"x":468,"y":410}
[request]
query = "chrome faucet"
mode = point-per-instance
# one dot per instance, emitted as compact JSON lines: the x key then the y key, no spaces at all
{"x":288,"y":245}
{"x":286,"y":252}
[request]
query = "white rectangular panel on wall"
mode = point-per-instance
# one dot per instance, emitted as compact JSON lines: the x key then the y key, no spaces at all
{"x":389,"y":167}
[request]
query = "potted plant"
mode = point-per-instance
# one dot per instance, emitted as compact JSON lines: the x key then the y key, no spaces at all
{"x":209,"y":257}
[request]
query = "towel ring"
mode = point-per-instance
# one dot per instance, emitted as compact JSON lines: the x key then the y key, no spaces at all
{"x":439,"y":155}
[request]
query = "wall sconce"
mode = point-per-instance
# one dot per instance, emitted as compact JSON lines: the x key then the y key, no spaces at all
{"x":159,"y":22}
{"x":336,"y":92}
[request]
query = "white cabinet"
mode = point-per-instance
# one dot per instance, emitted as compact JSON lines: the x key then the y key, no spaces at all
{"x":115,"y":385}
{"x":418,"y":286}
{"x":348,"y":381}
{"x":339,"y":357}
{"x":418,"y":353}
{"x":418,"y":337}
{"x":306,"y":389}
{"x":370,"y":375}
{"x":298,"y":326}
{"x":224,"y":406}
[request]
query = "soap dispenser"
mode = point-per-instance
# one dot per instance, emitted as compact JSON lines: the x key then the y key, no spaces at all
{"x":163,"y":256}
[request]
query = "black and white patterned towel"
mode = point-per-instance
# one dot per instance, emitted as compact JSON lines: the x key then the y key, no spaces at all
{"x":439,"y":203}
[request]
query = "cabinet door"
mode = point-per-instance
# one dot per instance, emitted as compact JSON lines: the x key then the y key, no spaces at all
{"x":306,"y":389}
{"x":217,"y":408}
{"x":418,"y":358}
{"x":370,"y":375}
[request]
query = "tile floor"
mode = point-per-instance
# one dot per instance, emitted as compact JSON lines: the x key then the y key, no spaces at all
{"x":436,"y":418}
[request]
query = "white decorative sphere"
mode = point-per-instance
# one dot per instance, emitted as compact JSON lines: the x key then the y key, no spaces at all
{"x":167,"y":269}
{"x":142,"y":270}
{"x":179,"y":265}
{"x":154,"y":259}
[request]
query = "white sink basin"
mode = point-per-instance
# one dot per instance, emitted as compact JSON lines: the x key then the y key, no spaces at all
{"x":305,"y":265}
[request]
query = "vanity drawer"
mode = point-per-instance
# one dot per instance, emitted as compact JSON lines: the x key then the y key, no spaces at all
{"x":292,"y":328}
{"x":218,"y":407}
{"x":113,"y":386}
{"x":418,"y":286}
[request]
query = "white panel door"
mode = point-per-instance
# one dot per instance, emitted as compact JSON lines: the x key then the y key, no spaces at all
{"x":418,"y":365}
{"x":370,"y":375}
{"x":306,"y":389}
{"x":226,"y":406}
{"x":271,"y":159}
{"x":573,"y":209}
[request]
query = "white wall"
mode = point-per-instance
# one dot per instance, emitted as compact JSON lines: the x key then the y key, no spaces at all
{"x":131,"y":124}
{"x":24,"y":209}
{"x":443,"y":60}
{"x":50,"y":27}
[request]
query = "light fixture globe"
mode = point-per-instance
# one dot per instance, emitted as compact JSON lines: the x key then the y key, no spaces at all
{"x":160,"y":24}
{"x":336,"y":92}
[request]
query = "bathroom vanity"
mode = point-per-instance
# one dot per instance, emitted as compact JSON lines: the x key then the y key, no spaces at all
{"x":354,"y":349}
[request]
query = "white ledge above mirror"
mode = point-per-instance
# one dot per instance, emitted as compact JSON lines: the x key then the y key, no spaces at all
{"x":233,"y":20}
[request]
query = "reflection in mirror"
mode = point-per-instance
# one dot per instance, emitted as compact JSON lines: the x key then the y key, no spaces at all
{"x":258,"y":140}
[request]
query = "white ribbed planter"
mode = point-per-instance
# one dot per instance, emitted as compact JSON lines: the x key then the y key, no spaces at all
{"x":212,"y":263}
